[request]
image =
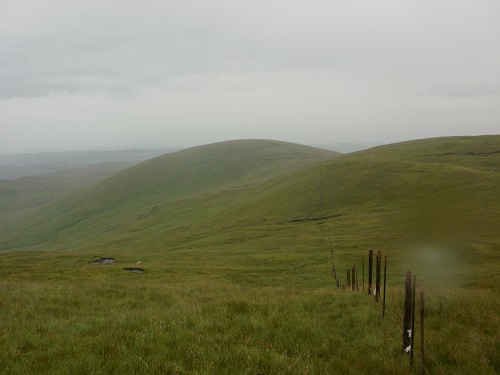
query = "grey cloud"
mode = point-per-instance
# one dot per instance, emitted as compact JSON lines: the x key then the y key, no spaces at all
{"x":225,"y":66}
{"x":118,"y":47}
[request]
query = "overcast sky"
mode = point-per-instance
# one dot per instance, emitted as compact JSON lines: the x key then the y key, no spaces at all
{"x":108,"y":74}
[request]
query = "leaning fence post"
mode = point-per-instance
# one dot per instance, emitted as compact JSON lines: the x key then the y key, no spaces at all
{"x":377,"y":278}
{"x":422,"y":328}
{"x":385,"y":278}
{"x":407,"y":313}
{"x":370,"y":264}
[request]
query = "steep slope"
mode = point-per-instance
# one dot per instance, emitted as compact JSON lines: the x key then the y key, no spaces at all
{"x":225,"y":166}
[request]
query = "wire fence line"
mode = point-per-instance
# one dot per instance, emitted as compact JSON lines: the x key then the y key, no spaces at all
{"x":394,"y":299}
{"x":397,"y":327}
{"x":394,"y":296}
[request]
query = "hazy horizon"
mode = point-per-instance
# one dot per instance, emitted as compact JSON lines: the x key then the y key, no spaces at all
{"x":147,"y":74}
{"x":346,"y":146}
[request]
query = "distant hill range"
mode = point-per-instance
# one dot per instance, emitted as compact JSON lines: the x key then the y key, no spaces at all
{"x":35,"y":164}
{"x":23,"y":165}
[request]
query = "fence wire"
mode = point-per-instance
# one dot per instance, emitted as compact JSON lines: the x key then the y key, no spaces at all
{"x":394,"y":303}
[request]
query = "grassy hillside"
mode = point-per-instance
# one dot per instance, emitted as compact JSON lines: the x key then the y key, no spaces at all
{"x":31,"y":192}
{"x":236,"y":241}
{"x":437,"y":192}
{"x":175,"y":177}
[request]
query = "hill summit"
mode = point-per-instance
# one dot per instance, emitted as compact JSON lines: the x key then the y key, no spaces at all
{"x":185,"y":174}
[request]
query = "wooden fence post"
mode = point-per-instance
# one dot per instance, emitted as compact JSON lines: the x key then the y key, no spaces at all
{"x":363,"y":266}
{"x":370,"y":264}
{"x":348,"y":277}
{"x":353,"y":277}
{"x":413,"y":289}
{"x":377,"y":278}
{"x":385,"y":278}
{"x":333,"y":261}
{"x":357,"y":281}
{"x":422,"y":328}
{"x":407,"y":313}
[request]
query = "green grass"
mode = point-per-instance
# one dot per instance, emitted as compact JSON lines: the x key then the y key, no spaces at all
{"x":27,"y":193}
{"x":233,"y":283}
{"x":225,"y":313}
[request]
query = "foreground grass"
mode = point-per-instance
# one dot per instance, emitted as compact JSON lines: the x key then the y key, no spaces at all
{"x":64,"y":315}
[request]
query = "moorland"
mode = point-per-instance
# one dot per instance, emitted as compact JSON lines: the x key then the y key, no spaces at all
{"x":236,"y":242}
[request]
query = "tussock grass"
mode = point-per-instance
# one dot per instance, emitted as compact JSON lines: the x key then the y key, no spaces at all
{"x":177,"y":319}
